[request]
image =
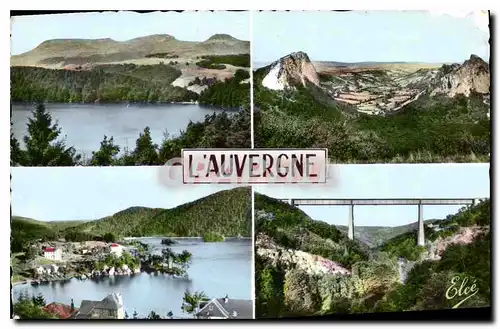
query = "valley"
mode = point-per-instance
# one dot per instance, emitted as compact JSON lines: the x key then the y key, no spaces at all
{"x":308,"y":268}
{"x":375,"y":112}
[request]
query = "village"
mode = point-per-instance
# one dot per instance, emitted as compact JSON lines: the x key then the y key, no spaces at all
{"x":61,"y":261}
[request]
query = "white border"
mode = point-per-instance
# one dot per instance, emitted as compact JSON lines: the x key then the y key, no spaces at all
{"x":199,"y":5}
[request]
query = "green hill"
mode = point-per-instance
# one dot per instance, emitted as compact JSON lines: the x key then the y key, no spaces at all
{"x":105,"y":83}
{"x":227,"y":213}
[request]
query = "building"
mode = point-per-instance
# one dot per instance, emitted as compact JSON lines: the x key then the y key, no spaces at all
{"x":52,"y":253}
{"x":116,"y":249}
{"x":61,"y":311}
{"x":111,"y":307}
{"x":225,"y":308}
{"x":44,"y":269}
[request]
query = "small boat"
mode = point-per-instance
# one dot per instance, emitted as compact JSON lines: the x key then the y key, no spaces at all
{"x":35,"y":283}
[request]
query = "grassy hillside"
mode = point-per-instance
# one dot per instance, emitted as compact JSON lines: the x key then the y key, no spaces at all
{"x":107,"y":83}
{"x":404,"y":245}
{"x":427,"y":130}
{"x":374,"y":236}
{"x":292,"y":228}
{"x":375,"y":283}
{"x":80,"y":51}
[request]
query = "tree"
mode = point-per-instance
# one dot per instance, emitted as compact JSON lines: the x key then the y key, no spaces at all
{"x":106,"y":154}
{"x":39,"y":300}
{"x":42,"y":146}
{"x":16,"y":154}
{"x":135,"y":315}
{"x":153,"y":316}
{"x":191,"y":302}
{"x":145,"y":152}
{"x":185,"y":259}
{"x":170,"y":314}
{"x":109,"y":237}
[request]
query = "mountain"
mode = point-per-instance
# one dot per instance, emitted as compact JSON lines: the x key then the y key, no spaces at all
{"x":289,"y":71}
{"x":227,"y":213}
{"x":378,"y":113}
{"x":62,"y":52}
{"x":379,"y":88}
{"x":472,"y":76}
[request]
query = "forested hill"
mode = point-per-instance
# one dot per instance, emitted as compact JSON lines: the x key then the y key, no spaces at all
{"x":227,"y":213}
{"x":291,"y":228}
{"x":104,"y":83}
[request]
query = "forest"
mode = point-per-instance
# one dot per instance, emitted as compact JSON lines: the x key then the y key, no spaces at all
{"x":431,"y":129}
{"x":229,"y":94}
{"x":101,"y":84}
{"x":241,"y":60}
{"x":377,"y":281}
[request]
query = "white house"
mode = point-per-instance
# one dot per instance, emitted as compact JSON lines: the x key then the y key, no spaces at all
{"x":52,"y":253}
{"x":225,"y":308}
{"x":116,"y":249}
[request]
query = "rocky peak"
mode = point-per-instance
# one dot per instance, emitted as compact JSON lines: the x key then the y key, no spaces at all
{"x":290,"y":71}
{"x":471,"y":76}
{"x":220,"y":37}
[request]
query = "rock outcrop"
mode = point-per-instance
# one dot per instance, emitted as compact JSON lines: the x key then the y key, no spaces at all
{"x":464,"y":236}
{"x":289,"y":71}
{"x":472,"y":76}
{"x":290,"y":258}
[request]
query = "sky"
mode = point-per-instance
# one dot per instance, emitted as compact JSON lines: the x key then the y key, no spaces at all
{"x":72,"y":193}
{"x":27,"y":32}
{"x":379,"y":36}
{"x":389,"y":181}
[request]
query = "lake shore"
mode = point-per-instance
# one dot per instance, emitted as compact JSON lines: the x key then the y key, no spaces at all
{"x":183,"y":237}
{"x":111,"y":103}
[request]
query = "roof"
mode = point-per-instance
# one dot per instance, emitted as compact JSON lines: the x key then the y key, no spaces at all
{"x":62,"y":311}
{"x":50,"y":249}
{"x":115,"y":245}
{"x":110,"y":302}
{"x":220,"y":308}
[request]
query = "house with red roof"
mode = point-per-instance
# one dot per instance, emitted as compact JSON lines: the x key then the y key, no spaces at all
{"x":52,"y":253}
{"x":61,"y":311}
{"x":116,"y":249}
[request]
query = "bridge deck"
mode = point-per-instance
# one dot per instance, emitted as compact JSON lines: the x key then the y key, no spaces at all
{"x":378,"y":202}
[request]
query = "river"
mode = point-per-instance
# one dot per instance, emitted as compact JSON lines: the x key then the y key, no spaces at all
{"x":85,"y":125}
{"x":217,"y":269}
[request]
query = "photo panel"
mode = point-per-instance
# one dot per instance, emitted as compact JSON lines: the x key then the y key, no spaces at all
{"x":118,"y":243}
{"x":127,"y":88}
{"x":382,"y":238}
{"x":374,"y":86}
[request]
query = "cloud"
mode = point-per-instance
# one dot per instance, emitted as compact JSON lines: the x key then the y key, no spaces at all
{"x":479,"y":18}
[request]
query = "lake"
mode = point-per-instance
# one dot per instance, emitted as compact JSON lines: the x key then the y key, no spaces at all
{"x":218,"y":269}
{"x":85,"y":125}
